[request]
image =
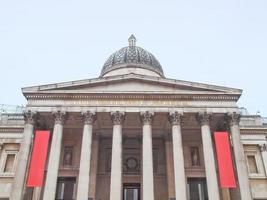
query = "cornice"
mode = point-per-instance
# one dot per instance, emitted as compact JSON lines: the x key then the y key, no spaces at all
{"x":181,"y":97}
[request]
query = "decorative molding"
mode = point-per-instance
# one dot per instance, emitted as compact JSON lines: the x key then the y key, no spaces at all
{"x":204,"y":118}
{"x":147,"y":117}
{"x":29,"y":117}
{"x":175,"y":118}
{"x":89,"y":117}
{"x":181,"y":97}
{"x":117,"y":117}
{"x":60,"y":117}
{"x":263,"y":147}
{"x":11,"y":130}
{"x":233,"y":118}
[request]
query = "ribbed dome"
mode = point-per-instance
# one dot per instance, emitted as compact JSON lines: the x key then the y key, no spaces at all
{"x":132,"y":56}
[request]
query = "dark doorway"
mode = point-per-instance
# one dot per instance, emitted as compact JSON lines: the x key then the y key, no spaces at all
{"x":66,"y":188}
{"x":131,"y":191}
{"x":197,"y":189}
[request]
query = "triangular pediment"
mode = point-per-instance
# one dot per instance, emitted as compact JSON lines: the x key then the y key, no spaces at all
{"x":130,"y":84}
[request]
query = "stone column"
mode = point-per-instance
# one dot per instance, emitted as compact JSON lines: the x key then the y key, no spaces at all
{"x":178,"y":156}
{"x":21,"y":168}
{"x":1,"y":147}
{"x":116,"y":160}
{"x":147,"y":152}
{"x":240,"y":160}
{"x":54,"y":157}
{"x":210,"y":167}
{"x":169,"y":166}
{"x":84,"y":172}
{"x":263,"y":149}
{"x":93,"y":171}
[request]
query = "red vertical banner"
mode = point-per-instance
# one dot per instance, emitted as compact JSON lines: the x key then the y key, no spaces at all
{"x":225,"y":163}
{"x":38,"y":159}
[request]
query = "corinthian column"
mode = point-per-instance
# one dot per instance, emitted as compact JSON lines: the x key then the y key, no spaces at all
{"x":116,"y":162}
{"x":240,"y":161}
{"x":263,"y":149}
{"x":147,"y":151}
{"x":54,"y":157}
{"x":19,"y":179}
{"x":210,"y":168}
{"x":178,"y":156}
{"x":84,"y":172}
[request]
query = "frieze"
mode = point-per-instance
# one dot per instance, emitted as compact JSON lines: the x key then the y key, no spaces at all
{"x":139,"y":103}
{"x":181,"y":97}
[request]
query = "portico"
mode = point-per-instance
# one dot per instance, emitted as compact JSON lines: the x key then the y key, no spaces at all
{"x":139,"y":138}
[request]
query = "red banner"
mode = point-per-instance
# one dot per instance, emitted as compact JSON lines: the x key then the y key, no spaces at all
{"x":38,"y":160}
{"x":226,"y":169}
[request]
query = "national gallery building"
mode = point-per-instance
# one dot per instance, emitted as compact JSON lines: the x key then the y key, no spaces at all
{"x":132,"y":134}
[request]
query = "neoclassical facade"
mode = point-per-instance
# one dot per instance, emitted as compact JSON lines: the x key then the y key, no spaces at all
{"x":132,"y":134}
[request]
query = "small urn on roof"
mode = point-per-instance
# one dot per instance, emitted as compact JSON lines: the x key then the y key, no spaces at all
{"x":132,"y":41}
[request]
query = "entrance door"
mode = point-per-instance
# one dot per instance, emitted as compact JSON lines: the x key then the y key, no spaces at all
{"x":131,"y":191}
{"x":66,"y":188}
{"x":197,"y":189}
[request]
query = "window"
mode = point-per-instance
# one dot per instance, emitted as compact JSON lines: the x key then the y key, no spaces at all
{"x":252,"y":164}
{"x":9,"y":164}
{"x":197,"y":189}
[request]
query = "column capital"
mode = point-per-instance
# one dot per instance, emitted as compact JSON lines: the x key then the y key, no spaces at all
{"x":117,"y":117}
{"x":175,"y":118}
{"x":60,"y":117}
{"x":147,"y":117}
{"x":88,"y":117}
{"x":204,"y":118}
{"x":263,"y":147}
{"x":233,"y":118}
{"x":29,"y":117}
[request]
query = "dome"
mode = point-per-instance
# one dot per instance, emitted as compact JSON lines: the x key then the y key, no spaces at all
{"x":132,"y":57}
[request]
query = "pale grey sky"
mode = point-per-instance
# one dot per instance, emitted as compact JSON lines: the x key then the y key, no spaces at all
{"x":215,"y":42}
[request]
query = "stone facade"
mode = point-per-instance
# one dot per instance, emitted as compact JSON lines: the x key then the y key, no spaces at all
{"x":132,"y":136}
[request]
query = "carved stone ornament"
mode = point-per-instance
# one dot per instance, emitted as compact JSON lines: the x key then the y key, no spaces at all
{"x":60,"y":117}
{"x":263,"y":147}
{"x":175,"y":118}
{"x":117,"y":117}
{"x":233,"y":118}
{"x":147,"y":117}
{"x":29,"y":117}
{"x":204,"y":118}
{"x":89,"y":117}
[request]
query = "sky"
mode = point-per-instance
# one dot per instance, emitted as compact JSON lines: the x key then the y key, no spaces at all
{"x":208,"y":41}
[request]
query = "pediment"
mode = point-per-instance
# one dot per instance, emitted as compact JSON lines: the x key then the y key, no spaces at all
{"x":131,"y":84}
